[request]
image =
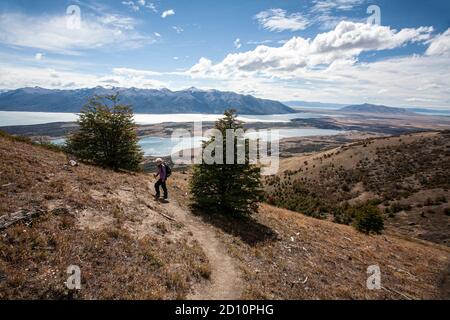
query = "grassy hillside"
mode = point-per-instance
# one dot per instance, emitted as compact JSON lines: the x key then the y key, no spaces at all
{"x":108,"y":224}
{"x":286,"y":255}
{"x":105,"y":222}
{"x":407,"y":177}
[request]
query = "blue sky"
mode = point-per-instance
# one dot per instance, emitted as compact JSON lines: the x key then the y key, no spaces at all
{"x":314,"y":50}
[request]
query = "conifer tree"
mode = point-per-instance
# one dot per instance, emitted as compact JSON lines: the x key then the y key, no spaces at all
{"x":227,"y":188}
{"x":107,"y":135}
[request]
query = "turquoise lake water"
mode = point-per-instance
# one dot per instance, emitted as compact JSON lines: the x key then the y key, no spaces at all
{"x":159,"y":146}
{"x":13,"y":118}
{"x":162,"y":146}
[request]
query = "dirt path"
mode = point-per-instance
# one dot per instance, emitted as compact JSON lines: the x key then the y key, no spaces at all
{"x":226,"y":282}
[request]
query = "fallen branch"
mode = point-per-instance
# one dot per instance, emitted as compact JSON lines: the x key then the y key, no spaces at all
{"x":164,"y":215}
{"x":167,"y":217}
{"x":399,"y":293}
{"x":13,"y":218}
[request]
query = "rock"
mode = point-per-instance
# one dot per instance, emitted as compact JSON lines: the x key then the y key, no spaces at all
{"x":73,"y":163}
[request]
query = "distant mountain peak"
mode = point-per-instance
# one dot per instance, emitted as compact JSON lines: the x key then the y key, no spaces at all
{"x":193,"y":90}
{"x":150,"y":101}
{"x":373,"y":108}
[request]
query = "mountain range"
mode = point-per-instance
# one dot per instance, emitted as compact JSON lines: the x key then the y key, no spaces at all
{"x":149,"y":101}
{"x":372,"y":108}
{"x":311,"y":104}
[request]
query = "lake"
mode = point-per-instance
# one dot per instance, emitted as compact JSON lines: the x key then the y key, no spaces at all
{"x":13,"y":118}
{"x":161,"y":147}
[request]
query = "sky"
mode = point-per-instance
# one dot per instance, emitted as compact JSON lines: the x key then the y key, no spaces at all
{"x":392,"y":52}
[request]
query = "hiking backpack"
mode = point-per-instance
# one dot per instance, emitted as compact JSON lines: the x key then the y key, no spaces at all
{"x":168,"y":171}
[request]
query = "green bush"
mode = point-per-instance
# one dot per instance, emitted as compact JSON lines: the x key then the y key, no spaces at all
{"x":15,"y":138}
{"x":298,"y":197}
{"x":343,"y":215}
{"x":368,"y":219}
{"x":51,"y":146}
{"x":397,"y":207}
{"x":24,"y":139}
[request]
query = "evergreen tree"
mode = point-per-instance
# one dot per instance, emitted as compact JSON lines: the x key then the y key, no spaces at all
{"x":227,"y":188}
{"x":368,"y":219}
{"x":107,"y":135}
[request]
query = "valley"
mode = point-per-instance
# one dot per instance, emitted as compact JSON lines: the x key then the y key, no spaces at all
{"x":301,"y":244}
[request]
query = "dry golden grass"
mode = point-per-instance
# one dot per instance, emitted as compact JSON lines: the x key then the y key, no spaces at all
{"x":286,"y":255}
{"x":410,"y":172}
{"x":105,"y":222}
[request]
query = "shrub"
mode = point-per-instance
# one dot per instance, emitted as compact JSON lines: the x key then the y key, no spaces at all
{"x":368,"y":219}
{"x":343,"y":215}
{"x":397,"y":207}
{"x":51,"y":146}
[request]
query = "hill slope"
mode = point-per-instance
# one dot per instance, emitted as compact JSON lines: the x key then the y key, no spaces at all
{"x":143,"y":101}
{"x":286,"y":255}
{"x":107,"y":223}
{"x":371,"y":108}
{"x":408,"y":177}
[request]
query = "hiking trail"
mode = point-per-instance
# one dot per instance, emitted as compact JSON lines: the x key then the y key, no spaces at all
{"x":225,"y":281}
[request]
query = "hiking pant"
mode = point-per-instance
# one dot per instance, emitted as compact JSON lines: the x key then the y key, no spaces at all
{"x":162,"y":184}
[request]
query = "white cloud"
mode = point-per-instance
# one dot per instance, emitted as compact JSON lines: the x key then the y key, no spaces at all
{"x":128,"y":72}
{"x":178,"y":29}
{"x":341,"y":45}
{"x":326,"y":68}
{"x":237,"y":43}
{"x":137,"y":5}
{"x":50,"y":33}
{"x":117,"y":21}
{"x":168,"y":13}
{"x":157,"y":34}
{"x":440,"y":45}
{"x":130,"y":4}
{"x":253,"y":42}
{"x":39,"y":56}
{"x":278,"y":20}
{"x":152,"y":7}
{"x":13,"y":77}
{"x":329,"y":5}
{"x":394,"y":82}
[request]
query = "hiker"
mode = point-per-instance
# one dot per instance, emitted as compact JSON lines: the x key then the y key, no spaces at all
{"x":163,"y":175}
